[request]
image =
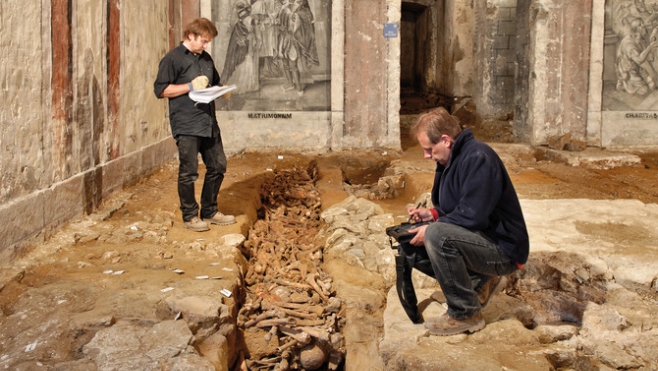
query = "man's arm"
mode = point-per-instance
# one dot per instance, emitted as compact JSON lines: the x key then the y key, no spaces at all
{"x":175,"y":90}
{"x":166,"y":82}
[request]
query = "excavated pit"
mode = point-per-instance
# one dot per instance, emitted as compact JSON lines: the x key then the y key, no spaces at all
{"x":61,"y":309}
{"x":291,"y":318}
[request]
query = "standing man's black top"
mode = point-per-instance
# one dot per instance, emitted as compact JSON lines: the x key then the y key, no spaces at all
{"x":180,"y":66}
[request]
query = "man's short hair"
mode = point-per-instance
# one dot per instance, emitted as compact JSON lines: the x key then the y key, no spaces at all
{"x":199,"y":27}
{"x":435,"y":123}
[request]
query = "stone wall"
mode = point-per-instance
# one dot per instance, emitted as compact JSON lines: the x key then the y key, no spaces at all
{"x":495,"y":53}
{"x":553,"y":70}
{"x":78,"y":119}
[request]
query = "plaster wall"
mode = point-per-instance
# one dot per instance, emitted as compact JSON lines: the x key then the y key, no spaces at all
{"x":71,"y":134}
{"x":462,"y":46}
{"x":538,"y":105}
{"x":25,"y":165}
{"x":595,"y":85}
{"x":23,"y":154}
{"x":568,"y":79}
{"x":366,"y":79}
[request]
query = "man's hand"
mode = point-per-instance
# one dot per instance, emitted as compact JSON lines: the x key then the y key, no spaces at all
{"x":419,"y":238}
{"x":419,"y":214}
{"x":199,"y":83}
{"x":227,"y":95}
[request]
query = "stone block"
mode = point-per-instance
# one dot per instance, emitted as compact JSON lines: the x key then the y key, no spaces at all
{"x":113,"y":176}
{"x":63,"y":201}
{"x":20,"y":219}
{"x":132,"y":169}
{"x":507,"y":28}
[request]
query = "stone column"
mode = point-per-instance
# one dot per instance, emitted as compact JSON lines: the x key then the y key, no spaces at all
{"x":553,"y":68}
{"x":393,"y":16}
{"x":337,"y":74}
{"x":596,"y":74}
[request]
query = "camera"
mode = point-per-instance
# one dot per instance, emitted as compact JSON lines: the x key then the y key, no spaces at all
{"x":401,"y":232}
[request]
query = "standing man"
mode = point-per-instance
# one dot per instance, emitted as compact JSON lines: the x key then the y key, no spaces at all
{"x":186,"y":68}
{"x":479,"y":233}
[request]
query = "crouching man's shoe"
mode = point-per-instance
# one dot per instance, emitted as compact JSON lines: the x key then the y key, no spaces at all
{"x":446,"y":325}
{"x":197,"y":225}
{"x":488,"y":290}
{"x":438,"y":297}
{"x":220,"y":219}
{"x":484,"y":294}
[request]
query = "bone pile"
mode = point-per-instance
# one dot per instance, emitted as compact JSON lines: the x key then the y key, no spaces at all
{"x":290,"y":301}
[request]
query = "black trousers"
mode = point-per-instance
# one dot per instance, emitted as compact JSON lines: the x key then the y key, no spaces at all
{"x":212,"y":154}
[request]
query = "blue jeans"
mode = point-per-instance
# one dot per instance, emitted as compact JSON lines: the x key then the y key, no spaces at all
{"x":462,"y":262}
{"x":212,"y":154}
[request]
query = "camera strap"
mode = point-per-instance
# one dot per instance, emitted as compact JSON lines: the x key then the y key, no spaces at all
{"x":408,"y":258}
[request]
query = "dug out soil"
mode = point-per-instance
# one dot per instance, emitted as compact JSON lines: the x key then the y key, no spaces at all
{"x":54,"y":270}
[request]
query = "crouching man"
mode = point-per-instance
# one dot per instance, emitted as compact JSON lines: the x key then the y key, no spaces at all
{"x":479,"y":233}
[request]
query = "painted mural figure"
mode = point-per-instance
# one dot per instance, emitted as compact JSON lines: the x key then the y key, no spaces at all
{"x":272,"y":45}
{"x":635,"y":71}
{"x":241,"y":65}
{"x":296,"y":46}
{"x":269,"y":68}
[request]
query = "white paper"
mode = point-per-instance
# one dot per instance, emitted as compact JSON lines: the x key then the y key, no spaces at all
{"x":210,"y":94}
{"x":31,"y":347}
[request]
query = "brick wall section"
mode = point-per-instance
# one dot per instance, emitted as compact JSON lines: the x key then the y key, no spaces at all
{"x":503,"y":54}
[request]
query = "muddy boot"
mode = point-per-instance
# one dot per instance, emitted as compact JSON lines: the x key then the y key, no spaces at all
{"x":438,"y":297}
{"x":488,"y":290}
{"x":197,"y":225}
{"x":446,"y":325}
{"x":220,"y":219}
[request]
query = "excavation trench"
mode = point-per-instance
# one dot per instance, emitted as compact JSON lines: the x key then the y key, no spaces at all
{"x":294,"y":318}
{"x":291,"y":318}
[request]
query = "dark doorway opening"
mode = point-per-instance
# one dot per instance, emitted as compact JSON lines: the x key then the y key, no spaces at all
{"x":413,"y":59}
{"x":416,"y":30}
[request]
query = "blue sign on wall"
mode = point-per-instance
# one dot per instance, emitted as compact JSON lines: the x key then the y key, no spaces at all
{"x":390,"y":30}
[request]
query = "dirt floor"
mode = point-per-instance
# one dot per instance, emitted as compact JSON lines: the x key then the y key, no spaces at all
{"x":140,"y":230}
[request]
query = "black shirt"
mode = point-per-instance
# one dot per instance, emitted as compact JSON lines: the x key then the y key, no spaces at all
{"x":186,"y":117}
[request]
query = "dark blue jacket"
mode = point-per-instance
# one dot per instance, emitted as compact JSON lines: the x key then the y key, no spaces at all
{"x":475,"y":192}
